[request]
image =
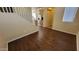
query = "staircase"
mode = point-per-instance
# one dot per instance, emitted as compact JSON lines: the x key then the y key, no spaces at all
{"x":24,"y":12}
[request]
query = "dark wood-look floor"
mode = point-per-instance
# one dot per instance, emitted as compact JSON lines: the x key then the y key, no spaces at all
{"x":45,"y":40}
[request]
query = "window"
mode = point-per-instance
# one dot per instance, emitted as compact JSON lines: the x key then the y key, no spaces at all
{"x":69,"y":14}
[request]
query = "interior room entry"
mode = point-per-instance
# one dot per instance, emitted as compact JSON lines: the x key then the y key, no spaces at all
{"x":43,"y":16}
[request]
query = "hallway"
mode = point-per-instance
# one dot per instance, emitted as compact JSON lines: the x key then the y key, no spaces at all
{"x":44,"y":40}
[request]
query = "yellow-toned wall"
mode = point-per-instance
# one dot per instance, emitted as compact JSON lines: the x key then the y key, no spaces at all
{"x":48,"y":18}
{"x":58,"y":24}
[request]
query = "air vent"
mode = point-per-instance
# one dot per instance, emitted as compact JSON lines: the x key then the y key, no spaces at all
{"x":6,"y":9}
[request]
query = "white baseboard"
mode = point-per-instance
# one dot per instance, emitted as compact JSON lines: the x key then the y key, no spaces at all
{"x":22,"y":36}
{"x":64,"y":31}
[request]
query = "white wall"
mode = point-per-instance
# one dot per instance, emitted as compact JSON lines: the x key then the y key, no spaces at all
{"x":13,"y":26}
{"x":25,"y":12}
{"x":58,"y":24}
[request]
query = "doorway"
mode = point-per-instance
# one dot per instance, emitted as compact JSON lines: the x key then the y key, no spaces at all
{"x":43,"y":16}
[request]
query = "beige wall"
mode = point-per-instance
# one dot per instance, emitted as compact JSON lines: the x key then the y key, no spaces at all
{"x":13,"y":26}
{"x":3,"y":44}
{"x":45,"y":17}
{"x":58,"y":24}
{"x":77,"y":41}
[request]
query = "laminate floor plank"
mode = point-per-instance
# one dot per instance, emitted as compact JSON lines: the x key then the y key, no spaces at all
{"x":44,"y":40}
